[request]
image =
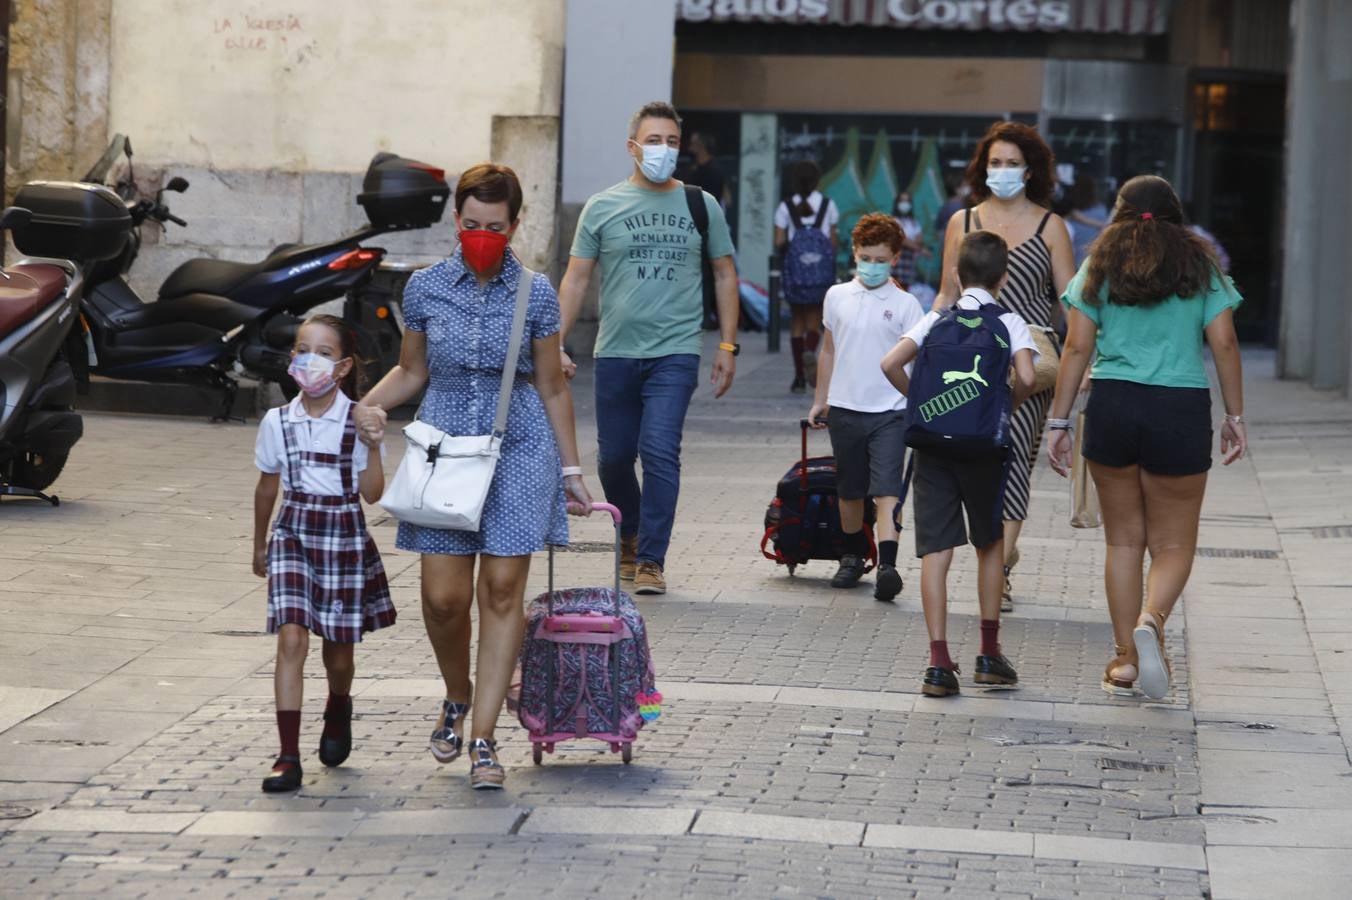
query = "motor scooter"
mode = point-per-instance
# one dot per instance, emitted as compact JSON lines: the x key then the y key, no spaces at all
{"x":216,"y":320}
{"x":39,"y":309}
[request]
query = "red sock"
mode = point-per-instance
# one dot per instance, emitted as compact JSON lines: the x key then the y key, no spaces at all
{"x":939,"y":655}
{"x":339,"y":705}
{"x":990,"y":637}
{"x":288,"y":729}
{"x":796,"y":345}
{"x":810,"y":340}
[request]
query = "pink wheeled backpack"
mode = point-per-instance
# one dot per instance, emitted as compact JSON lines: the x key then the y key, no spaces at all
{"x":585,"y":667}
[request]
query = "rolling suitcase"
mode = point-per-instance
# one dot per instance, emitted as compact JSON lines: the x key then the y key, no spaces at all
{"x":585,"y":667}
{"x":802,"y":523}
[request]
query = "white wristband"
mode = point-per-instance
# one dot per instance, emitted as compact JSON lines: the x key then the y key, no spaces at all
{"x":569,"y":471}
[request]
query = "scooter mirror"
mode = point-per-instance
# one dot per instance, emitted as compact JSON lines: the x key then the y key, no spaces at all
{"x":15,"y":217}
{"x":178,"y":184}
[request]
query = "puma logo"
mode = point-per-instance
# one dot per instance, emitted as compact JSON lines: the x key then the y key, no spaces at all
{"x":970,"y":323}
{"x":950,"y":377}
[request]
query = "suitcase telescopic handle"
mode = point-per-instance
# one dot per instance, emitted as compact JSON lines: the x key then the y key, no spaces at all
{"x":617,"y":518}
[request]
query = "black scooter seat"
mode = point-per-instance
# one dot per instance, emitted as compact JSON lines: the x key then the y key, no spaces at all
{"x":223,"y":277}
{"x":216,"y":313}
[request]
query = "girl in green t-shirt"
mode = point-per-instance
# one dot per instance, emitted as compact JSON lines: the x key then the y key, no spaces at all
{"x":1143,"y":300}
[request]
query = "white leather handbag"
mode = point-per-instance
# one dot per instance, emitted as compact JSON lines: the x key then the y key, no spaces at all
{"x":443,"y":481}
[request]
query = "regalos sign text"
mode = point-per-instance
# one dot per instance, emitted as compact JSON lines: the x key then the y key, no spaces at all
{"x":1128,"y":16}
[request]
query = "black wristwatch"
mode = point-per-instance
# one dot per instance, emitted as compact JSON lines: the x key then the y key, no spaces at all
{"x":734,"y":349}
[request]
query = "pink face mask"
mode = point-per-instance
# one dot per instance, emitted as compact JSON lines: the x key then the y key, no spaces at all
{"x":313,"y":373}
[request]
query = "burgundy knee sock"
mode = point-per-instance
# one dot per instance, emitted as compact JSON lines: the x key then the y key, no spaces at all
{"x":796,"y":345}
{"x":810,"y":341}
{"x":990,"y":637}
{"x":288,"y":729}
{"x":339,"y":705}
{"x":939,"y":655}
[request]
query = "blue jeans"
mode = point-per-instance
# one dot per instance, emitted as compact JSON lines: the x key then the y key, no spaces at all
{"x":640,"y":412}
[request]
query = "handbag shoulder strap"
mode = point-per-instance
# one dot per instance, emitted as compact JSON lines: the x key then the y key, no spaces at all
{"x":513,"y":350}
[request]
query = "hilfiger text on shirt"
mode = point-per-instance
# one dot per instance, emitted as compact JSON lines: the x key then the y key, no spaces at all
{"x":655,"y":254}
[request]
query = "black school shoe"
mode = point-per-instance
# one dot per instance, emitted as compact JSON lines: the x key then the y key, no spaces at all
{"x":850,"y":571}
{"x":288,"y":779}
{"x":995,"y":670}
{"x":887,"y":583}
{"x":336,"y":742}
{"x":940,"y":682}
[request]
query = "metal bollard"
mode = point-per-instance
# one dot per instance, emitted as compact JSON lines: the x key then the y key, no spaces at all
{"x":773,"y":327}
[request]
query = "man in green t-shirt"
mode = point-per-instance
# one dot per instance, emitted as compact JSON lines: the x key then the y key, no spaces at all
{"x":643,"y":233}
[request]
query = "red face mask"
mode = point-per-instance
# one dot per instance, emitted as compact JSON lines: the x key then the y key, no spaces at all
{"x":482,"y":248}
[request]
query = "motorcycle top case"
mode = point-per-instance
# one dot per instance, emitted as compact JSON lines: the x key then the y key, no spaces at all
{"x":72,"y":220}
{"x":403,"y":193}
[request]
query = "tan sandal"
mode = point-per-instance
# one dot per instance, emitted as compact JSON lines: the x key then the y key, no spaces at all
{"x":1119,"y":677}
{"x":1153,"y":662}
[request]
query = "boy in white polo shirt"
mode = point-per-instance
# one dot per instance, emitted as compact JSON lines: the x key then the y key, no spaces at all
{"x":949,"y":480}
{"x":864,"y":318}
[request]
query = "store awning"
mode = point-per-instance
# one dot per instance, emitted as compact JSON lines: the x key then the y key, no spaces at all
{"x":1120,"y":16}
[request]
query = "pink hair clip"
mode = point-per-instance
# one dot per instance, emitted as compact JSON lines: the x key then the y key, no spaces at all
{"x":1147,"y":216}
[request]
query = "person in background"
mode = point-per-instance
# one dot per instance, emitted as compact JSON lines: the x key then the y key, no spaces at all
{"x":709,"y":178}
{"x":948,"y":484}
{"x":913,"y":246}
{"x":958,"y":192}
{"x":1011,"y":177}
{"x":864,"y":318}
{"x":648,"y":347}
{"x":805,"y":211}
{"x":1222,"y":258}
{"x":1148,"y":295}
{"x":1087,"y":216}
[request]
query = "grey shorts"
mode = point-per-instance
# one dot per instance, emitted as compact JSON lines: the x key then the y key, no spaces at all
{"x":870,"y":451}
{"x":944,"y":488}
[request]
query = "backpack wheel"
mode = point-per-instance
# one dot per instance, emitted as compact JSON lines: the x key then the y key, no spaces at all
{"x":792,"y":566}
{"x":627,"y":753}
{"x":537,"y":753}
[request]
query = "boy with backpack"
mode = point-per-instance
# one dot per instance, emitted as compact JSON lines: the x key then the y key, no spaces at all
{"x":864,"y":317}
{"x":959,"y":402}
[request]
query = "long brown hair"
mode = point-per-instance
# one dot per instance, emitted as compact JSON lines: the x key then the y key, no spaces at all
{"x":1147,"y":253}
{"x":354,"y":383}
{"x":1037,"y":156}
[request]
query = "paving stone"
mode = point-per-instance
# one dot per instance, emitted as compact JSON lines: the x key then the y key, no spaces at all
{"x":778,"y":828}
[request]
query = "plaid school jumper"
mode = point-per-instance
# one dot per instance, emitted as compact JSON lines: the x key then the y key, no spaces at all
{"x":324,"y":572}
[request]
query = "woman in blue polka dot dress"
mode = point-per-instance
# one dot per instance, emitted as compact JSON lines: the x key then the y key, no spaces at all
{"x":457,"y":322}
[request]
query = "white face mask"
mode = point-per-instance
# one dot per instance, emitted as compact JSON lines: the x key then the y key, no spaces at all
{"x":659,"y":162}
{"x":1005,"y":183}
{"x":904,"y":207}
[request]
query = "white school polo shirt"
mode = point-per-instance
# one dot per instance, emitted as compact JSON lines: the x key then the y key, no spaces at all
{"x":865,"y":323}
{"x":318,"y":435}
{"x":973,"y":298}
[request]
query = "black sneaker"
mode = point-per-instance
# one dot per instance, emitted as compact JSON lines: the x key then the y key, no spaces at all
{"x":940,"y":682}
{"x":995,"y":670}
{"x":887,"y":584}
{"x":850,"y":571}
{"x":799,"y":385}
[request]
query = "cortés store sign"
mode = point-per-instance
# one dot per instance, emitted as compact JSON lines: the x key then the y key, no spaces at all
{"x":1129,"y":16}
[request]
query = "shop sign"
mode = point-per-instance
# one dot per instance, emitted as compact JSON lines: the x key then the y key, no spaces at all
{"x":1125,"y":16}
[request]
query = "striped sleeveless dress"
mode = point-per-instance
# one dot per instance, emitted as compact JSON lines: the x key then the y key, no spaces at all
{"x":1028,"y":293}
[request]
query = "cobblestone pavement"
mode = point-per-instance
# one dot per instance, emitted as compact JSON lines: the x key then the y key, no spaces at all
{"x":795,"y":756}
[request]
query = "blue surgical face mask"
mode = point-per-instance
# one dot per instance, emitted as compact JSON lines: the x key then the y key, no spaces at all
{"x":872,"y":274}
{"x":1005,"y":183}
{"x":659,"y":162}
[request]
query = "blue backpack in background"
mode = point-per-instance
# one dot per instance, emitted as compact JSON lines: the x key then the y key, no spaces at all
{"x":960,"y":400}
{"x":809,"y":261}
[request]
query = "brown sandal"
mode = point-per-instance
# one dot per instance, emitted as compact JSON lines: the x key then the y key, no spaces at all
{"x":1156,"y":673}
{"x":1119,"y":677}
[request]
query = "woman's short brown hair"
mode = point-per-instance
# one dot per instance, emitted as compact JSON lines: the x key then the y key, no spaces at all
{"x":490,"y":183}
{"x":875,"y":228}
{"x":1037,"y":156}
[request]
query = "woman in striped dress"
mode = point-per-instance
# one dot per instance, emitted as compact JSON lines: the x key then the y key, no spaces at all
{"x":1011,"y":176}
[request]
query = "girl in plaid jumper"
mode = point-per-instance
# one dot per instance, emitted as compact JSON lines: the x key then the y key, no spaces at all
{"x":324,"y":572}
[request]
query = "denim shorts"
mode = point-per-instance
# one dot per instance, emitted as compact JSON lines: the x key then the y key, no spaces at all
{"x":1164,"y":430}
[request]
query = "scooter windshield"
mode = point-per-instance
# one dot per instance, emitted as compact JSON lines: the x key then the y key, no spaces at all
{"x":117,"y":147}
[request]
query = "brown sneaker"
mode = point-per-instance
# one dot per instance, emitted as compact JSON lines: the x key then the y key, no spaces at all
{"x":628,"y":553}
{"x":648,"y":579}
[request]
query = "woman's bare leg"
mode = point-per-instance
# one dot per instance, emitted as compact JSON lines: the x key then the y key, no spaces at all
{"x":502,"y":588}
{"x":447,"y":592}
{"x":1124,"y":532}
{"x":1173,"y":510}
